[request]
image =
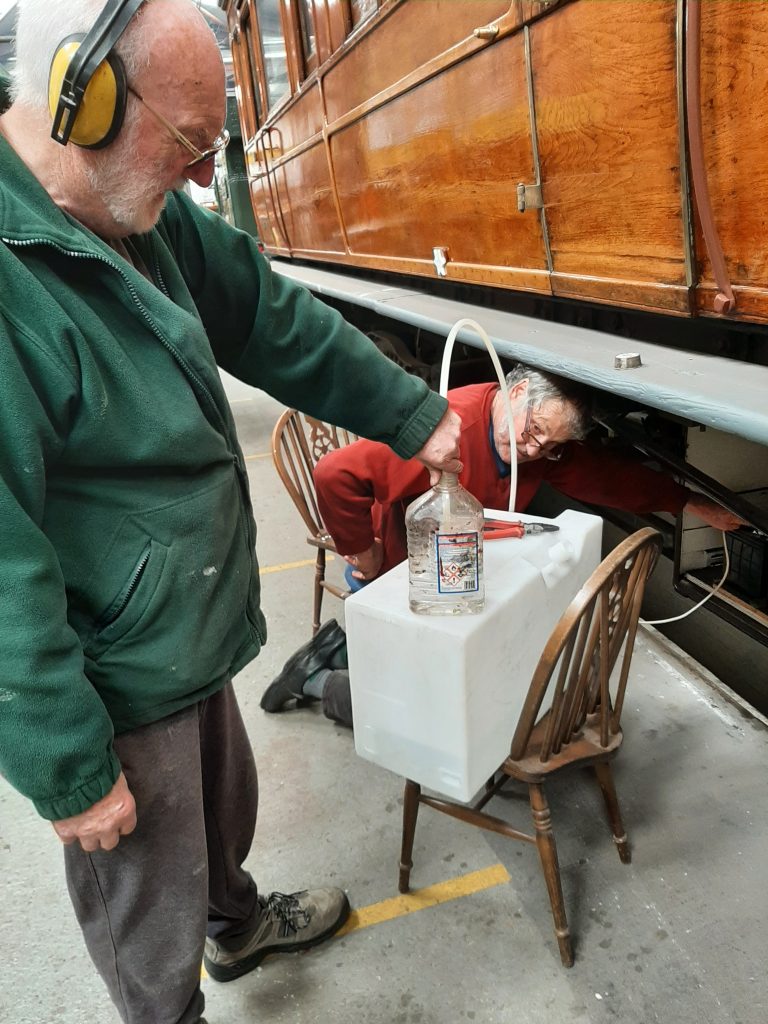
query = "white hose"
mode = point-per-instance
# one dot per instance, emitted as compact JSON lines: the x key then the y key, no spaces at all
{"x":683,"y":615}
{"x":444,"y":371}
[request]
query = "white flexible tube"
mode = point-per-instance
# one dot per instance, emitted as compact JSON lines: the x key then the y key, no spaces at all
{"x":444,"y":371}
{"x":683,"y":615}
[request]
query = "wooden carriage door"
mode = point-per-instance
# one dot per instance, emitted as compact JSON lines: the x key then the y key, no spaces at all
{"x":430,"y":133}
{"x":607,"y":112}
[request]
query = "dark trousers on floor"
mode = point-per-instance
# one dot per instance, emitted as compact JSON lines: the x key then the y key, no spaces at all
{"x":146,"y":906}
{"x":337,"y":697}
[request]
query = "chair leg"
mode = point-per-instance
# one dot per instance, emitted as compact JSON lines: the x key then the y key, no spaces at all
{"x":318,"y":599}
{"x":410,"y":810}
{"x":545,"y":842}
{"x":605,"y":778}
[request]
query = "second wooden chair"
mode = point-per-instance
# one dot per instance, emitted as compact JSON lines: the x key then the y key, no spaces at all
{"x":298,"y":441}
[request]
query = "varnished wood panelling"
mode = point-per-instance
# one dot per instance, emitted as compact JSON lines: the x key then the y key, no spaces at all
{"x":439,"y":166}
{"x":495,"y":277}
{"x":672,"y":298}
{"x":604,"y":83}
{"x":734,"y":111}
{"x":306,"y":198}
{"x":266,"y":221}
{"x":299,"y":122}
{"x":414,"y":33}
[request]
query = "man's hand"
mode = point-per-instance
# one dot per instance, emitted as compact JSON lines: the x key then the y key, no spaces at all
{"x":712,"y":514}
{"x":366,"y":564}
{"x":441,"y":452}
{"x":101,"y":826}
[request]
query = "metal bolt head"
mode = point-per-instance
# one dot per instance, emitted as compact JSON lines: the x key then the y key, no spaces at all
{"x":627,"y":361}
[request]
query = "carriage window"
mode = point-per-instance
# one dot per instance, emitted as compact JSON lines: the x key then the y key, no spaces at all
{"x":249,"y":63}
{"x":362,"y":10}
{"x":308,"y":41}
{"x":273,"y":49}
{"x":246,"y":87}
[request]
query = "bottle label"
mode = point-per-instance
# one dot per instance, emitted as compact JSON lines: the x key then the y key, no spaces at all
{"x":457,"y":563}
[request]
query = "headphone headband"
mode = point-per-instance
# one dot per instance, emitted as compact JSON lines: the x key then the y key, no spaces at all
{"x":95,"y":47}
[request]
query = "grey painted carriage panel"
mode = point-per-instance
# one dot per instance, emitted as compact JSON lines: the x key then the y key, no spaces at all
{"x":717,"y":392}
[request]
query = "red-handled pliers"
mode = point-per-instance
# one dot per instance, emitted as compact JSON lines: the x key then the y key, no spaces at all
{"x":497,"y":529}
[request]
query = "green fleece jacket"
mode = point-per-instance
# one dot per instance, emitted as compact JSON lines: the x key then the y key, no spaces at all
{"x":129,"y":586}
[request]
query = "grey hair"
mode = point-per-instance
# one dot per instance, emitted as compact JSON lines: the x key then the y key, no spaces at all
{"x":43,"y":24}
{"x":546,"y":387}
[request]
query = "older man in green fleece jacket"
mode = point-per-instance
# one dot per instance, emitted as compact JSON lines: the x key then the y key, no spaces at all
{"x":129,"y":588}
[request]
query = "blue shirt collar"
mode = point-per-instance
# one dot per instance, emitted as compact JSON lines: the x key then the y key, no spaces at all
{"x":502,"y":466}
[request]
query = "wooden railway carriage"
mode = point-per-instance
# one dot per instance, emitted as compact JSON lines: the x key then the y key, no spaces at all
{"x":539,"y":145}
{"x":595,"y":163}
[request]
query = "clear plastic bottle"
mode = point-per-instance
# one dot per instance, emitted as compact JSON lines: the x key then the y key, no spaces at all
{"x":445,"y":550}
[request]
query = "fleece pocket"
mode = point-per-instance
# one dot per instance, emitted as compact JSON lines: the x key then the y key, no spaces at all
{"x":129,"y":604}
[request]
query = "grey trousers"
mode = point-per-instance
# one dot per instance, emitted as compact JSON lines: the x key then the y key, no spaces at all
{"x":146,"y":906}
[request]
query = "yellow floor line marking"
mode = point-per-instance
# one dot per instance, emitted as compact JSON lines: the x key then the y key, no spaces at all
{"x":420,"y":899}
{"x":261,"y":455}
{"x":237,"y":401}
{"x":291,"y":565}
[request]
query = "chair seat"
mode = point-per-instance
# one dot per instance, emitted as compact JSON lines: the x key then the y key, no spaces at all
{"x":585,"y":748}
{"x":321,"y":540}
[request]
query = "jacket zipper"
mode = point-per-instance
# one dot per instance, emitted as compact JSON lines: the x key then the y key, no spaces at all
{"x":196,"y":381}
{"x":156,"y":270}
{"x":120,"y":603}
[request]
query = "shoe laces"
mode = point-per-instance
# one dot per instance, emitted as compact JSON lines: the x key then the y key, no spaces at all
{"x":286,"y":908}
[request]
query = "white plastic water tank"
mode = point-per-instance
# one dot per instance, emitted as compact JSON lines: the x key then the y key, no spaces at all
{"x":436,"y":699}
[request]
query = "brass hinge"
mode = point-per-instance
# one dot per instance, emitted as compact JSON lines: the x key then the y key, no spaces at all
{"x":529,"y":197}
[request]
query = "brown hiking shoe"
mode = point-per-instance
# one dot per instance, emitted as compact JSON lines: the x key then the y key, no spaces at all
{"x":288,"y":923}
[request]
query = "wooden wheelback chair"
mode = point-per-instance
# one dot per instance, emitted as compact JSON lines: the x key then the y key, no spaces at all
{"x":580,"y":725}
{"x":298,"y":441}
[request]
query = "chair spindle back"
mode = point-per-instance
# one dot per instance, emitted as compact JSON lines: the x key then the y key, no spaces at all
{"x":576,"y":666}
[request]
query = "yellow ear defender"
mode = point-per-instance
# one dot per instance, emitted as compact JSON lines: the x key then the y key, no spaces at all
{"x":87,"y":84}
{"x":101,"y":110}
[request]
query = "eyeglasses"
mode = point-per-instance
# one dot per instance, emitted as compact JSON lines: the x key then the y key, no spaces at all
{"x":553,"y":452}
{"x":219,"y":144}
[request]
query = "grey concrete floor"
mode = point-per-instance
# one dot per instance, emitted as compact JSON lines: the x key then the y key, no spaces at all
{"x":678,"y":936}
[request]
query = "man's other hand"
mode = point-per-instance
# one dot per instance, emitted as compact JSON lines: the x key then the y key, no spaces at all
{"x":366,"y":564}
{"x":101,"y":826}
{"x":712,"y":514}
{"x":441,"y":452}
